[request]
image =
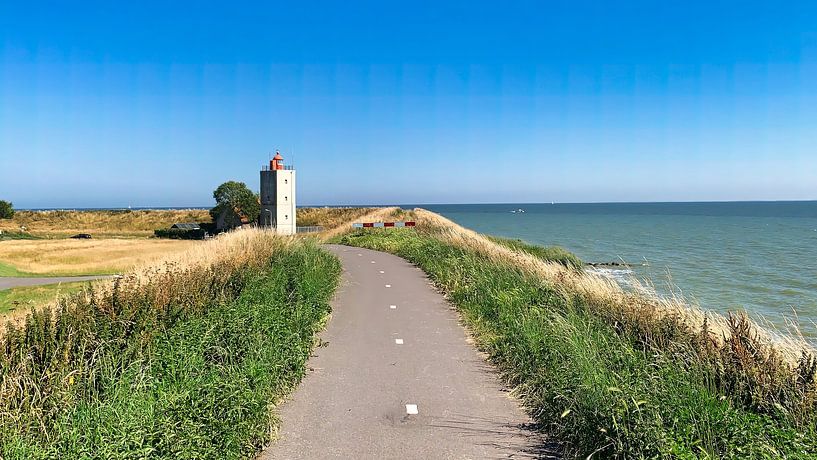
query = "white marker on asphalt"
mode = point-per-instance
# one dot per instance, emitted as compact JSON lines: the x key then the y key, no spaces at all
{"x":388,"y":285}
{"x":398,"y":341}
{"x":360,"y":255}
{"x":411,"y":409}
{"x":381,"y":272}
{"x":393,"y":307}
{"x":372,"y":261}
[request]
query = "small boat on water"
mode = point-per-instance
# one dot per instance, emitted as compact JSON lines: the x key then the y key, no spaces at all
{"x":520,"y":210}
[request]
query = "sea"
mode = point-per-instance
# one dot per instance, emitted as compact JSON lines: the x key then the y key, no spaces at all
{"x":760,"y":257}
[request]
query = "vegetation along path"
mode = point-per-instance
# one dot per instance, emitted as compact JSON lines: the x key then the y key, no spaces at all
{"x":395,"y":377}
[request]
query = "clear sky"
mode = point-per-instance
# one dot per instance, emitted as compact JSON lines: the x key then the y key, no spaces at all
{"x":155,"y":104}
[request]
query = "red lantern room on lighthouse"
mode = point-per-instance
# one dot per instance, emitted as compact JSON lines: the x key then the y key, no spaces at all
{"x":277,"y":162}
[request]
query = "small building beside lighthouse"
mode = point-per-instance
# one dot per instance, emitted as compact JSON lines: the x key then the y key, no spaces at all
{"x":278,"y":196}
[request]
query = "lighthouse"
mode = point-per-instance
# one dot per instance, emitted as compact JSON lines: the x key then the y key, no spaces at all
{"x":278,"y":196}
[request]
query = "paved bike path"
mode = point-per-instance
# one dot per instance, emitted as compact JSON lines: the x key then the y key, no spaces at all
{"x":397,"y":378}
{"x":8,"y":282}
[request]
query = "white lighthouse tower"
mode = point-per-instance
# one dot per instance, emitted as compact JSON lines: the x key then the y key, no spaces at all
{"x":278,"y":196}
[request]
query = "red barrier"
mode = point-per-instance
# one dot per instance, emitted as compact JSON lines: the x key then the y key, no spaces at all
{"x":384,"y":224}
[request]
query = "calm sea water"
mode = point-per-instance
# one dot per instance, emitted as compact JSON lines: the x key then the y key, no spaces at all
{"x":758,"y":256}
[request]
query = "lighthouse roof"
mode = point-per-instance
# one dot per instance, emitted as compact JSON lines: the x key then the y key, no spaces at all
{"x":277,"y":156}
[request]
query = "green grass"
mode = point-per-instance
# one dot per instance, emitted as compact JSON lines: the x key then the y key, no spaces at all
{"x":193,"y":379}
{"x":11,"y":235}
{"x":9,"y":270}
{"x":550,"y":253}
{"x":593,"y":387}
{"x":35,"y":296}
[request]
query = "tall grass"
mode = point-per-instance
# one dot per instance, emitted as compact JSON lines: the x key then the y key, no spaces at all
{"x":547,"y":253}
{"x":177,"y":360}
{"x":617,"y":374}
{"x":329,"y":217}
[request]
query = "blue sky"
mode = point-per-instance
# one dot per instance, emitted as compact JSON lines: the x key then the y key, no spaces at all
{"x":155,"y":104}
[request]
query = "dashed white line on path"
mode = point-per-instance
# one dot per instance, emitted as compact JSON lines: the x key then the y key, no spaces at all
{"x":398,"y":341}
{"x":388,"y":285}
{"x":372,"y":261}
{"x":393,"y":307}
{"x":411,"y":409}
{"x":381,"y":272}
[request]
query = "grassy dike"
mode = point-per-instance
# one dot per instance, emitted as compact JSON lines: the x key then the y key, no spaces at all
{"x":178,"y":360}
{"x":603,"y":383}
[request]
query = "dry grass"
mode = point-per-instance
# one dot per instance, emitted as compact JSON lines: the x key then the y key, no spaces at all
{"x":61,"y":224}
{"x":57,"y":224}
{"x":343,"y":225}
{"x":85,"y":257}
{"x":765,"y":369}
{"x":329,"y":218}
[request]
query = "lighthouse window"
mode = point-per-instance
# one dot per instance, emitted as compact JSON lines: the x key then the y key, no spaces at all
{"x":286,"y":216}
{"x":285,"y":180}
{"x":286,"y":198}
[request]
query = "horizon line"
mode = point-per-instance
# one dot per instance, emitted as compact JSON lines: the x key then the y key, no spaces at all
{"x":369,"y":205}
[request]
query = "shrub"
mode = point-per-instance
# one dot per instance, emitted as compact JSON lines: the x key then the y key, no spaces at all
{"x":6,"y":209}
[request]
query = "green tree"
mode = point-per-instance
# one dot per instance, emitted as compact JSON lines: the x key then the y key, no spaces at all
{"x":6,"y":209}
{"x":238,"y":198}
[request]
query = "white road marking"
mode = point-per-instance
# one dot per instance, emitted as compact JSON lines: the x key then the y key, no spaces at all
{"x":360,"y":255}
{"x":398,"y":341}
{"x":393,"y":307}
{"x":388,"y":285}
{"x":411,"y":409}
{"x":372,"y":261}
{"x":381,"y":272}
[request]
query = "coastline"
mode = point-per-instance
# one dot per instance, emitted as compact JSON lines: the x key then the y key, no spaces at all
{"x":603,"y":368}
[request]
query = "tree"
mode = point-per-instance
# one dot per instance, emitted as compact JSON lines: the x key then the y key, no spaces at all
{"x":237,"y":198}
{"x":6,"y":210}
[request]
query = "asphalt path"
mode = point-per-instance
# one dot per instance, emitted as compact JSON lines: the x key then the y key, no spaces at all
{"x":12,"y":282}
{"x":396,"y":377}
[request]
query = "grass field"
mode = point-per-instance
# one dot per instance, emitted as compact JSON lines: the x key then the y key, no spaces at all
{"x":613,"y":374}
{"x":25,"y":298}
{"x":82,"y":257}
{"x":141,"y":223}
{"x":35,"y":257}
{"x":182,"y":359}
{"x":124,"y":223}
